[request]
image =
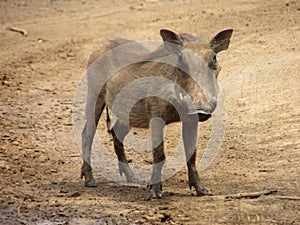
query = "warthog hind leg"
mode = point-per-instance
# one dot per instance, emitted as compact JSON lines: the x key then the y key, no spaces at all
{"x":155,"y":185}
{"x":119,"y":132}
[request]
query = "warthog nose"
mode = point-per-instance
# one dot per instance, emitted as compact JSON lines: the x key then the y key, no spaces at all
{"x":203,"y":117}
{"x":202,"y":114}
{"x":199,"y":111}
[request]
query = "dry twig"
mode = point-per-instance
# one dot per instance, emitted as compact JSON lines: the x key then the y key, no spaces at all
{"x":16,"y":29}
{"x":250,"y":195}
{"x":289,"y":197}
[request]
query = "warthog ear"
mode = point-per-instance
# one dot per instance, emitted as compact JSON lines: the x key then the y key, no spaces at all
{"x":221,"y":41}
{"x":170,"y":36}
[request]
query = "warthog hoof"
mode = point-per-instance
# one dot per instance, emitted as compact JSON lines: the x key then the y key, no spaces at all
{"x":130,"y":178}
{"x":204,"y":192}
{"x":156,"y":191}
{"x":86,"y":172}
{"x":155,"y":195}
{"x":90,"y":183}
{"x":201,"y":191}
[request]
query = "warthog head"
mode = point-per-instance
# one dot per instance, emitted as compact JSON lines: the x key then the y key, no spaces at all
{"x":197,"y":62}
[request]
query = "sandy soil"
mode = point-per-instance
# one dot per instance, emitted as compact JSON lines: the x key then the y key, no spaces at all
{"x":40,"y":162}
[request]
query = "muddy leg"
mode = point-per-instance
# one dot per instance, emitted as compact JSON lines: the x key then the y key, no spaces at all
{"x":155,"y":184}
{"x":189,"y":132}
{"x":92,"y":118}
{"x":119,"y":132}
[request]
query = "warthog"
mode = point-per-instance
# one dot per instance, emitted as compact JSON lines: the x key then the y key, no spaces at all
{"x":190,"y":96}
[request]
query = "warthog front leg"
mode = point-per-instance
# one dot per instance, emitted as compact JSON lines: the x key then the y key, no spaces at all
{"x":155,"y":185}
{"x":119,"y":132}
{"x":189,"y":130}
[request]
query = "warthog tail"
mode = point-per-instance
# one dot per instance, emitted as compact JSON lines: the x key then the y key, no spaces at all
{"x":108,"y":121}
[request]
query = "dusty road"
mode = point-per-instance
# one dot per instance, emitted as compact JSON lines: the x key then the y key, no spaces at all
{"x":40,"y":162}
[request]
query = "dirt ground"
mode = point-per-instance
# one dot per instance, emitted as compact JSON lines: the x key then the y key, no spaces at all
{"x":40,"y":162}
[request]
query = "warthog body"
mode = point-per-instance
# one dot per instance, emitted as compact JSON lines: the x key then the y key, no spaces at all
{"x":180,"y":79}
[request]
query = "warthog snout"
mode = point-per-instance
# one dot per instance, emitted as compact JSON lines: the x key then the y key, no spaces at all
{"x":203,"y":109}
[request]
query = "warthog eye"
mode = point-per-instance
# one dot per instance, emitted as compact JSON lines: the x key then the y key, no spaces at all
{"x":215,"y":59}
{"x":213,"y":64}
